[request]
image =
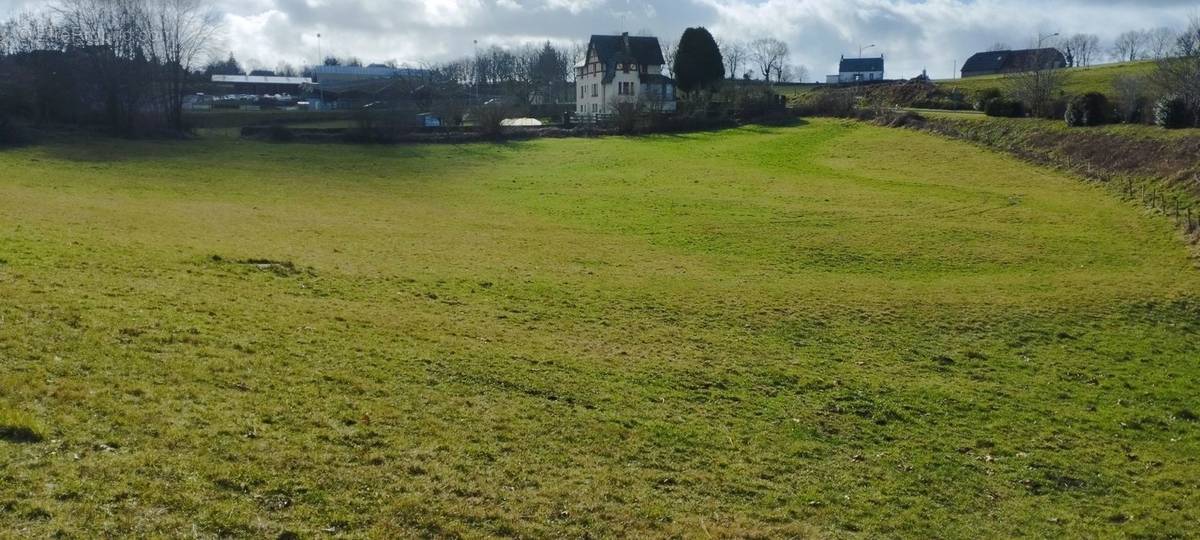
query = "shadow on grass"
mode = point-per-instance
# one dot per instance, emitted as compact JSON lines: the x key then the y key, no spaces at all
{"x":757,"y":128}
{"x":19,"y":428}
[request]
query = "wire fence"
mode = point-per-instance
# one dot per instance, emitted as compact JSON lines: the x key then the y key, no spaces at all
{"x":1170,"y":204}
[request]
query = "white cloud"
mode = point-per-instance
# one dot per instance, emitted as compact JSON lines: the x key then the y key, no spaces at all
{"x":913,"y":34}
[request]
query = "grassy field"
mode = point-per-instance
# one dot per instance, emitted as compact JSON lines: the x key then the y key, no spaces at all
{"x":824,"y":330}
{"x":1079,"y":80}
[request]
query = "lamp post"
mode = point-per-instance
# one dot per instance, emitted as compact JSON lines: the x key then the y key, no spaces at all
{"x":861,"y":49}
{"x":1044,"y":37}
{"x":320,"y":62}
{"x":1041,"y":60}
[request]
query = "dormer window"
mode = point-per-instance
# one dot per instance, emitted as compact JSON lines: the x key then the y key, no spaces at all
{"x":621,"y":66}
{"x":633,"y":67}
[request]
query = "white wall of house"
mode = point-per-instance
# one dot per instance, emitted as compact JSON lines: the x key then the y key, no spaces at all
{"x":855,"y":76}
{"x":594,"y":96}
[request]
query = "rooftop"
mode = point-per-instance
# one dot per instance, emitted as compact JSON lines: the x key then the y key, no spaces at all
{"x":258,"y":79}
{"x":858,"y":65}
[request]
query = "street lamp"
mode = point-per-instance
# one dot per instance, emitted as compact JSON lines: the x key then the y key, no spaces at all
{"x":861,"y":49}
{"x":320,"y":62}
{"x":1042,"y":38}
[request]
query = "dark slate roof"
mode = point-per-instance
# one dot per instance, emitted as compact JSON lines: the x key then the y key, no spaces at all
{"x":645,"y":50}
{"x":647,"y":78}
{"x":857,"y":65}
{"x":1013,"y":60}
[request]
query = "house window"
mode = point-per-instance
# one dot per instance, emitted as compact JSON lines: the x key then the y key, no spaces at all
{"x":582,"y":91}
{"x":595,"y":90}
{"x":620,"y":66}
{"x":625,"y":89}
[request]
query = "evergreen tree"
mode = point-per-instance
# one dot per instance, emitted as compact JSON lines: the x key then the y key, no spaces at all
{"x":698,"y":61}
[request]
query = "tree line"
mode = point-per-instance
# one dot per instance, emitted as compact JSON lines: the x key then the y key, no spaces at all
{"x":1169,"y":95}
{"x":121,"y":63}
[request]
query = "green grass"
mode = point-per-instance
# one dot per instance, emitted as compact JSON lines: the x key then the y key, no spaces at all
{"x":1132,"y":131}
{"x":20,"y":427}
{"x":826,"y":330}
{"x":1079,"y":80}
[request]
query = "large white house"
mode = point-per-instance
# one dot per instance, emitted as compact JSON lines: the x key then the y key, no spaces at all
{"x":622,"y":68}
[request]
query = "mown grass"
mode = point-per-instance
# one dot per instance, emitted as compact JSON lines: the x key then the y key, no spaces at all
{"x":1079,"y":80}
{"x":825,"y":330}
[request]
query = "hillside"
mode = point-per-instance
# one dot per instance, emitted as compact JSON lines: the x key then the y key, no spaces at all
{"x":1080,"y":80}
{"x":829,"y":330}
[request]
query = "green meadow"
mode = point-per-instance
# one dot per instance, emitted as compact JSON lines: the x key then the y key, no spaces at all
{"x":1078,"y":81}
{"x":827,"y":330}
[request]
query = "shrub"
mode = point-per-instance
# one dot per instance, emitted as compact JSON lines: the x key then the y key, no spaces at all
{"x":1052,"y":109}
{"x":489,"y":119}
{"x":982,"y":97}
{"x":1004,"y":107}
{"x":1090,"y":109}
{"x":382,"y":124}
{"x":280,"y":133}
{"x":757,"y":102}
{"x":1131,"y":97}
{"x":12,"y":133}
{"x":625,"y":115}
{"x":839,"y":104}
{"x":1172,"y":112}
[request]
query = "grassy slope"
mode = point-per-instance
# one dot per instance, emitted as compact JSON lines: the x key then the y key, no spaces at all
{"x":825,"y":329}
{"x":1080,"y":80}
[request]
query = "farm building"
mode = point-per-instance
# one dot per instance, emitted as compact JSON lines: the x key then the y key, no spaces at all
{"x":996,"y":62}
{"x":622,"y":68}
{"x":857,"y":70}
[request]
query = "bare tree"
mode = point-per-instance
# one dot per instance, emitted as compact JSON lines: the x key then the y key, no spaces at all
{"x":1131,"y":97}
{"x":284,"y":69}
{"x":769,"y":54}
{"x":795,"y":73}
{"x":1188,"y":43}
{"x":1180,"y":76}
{"x":120,"y":37}
{"x":182,"y":32}
{"x":735,"y":55}
{"x":577,"y":51}
{"x":1038,"y":85}
{"x":669,"y":48}
{"x":1130,"y":46}
{"x":1161,"y":42}
{"x":1081,"y":49}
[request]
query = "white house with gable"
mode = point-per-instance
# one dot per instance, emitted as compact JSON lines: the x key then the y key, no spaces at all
{"x":622,"y":68}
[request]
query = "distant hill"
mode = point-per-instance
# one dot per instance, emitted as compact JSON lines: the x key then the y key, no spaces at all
{"x":1086,"y":79}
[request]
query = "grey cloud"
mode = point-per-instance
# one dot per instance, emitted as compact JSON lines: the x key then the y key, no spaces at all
{"x":912,"y":34}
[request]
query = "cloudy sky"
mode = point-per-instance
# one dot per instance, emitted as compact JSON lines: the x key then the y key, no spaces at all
{"x":912,"y":34}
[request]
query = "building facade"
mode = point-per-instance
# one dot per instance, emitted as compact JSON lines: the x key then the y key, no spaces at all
{"x":851,"y":70}
{"x":623,"y":69}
